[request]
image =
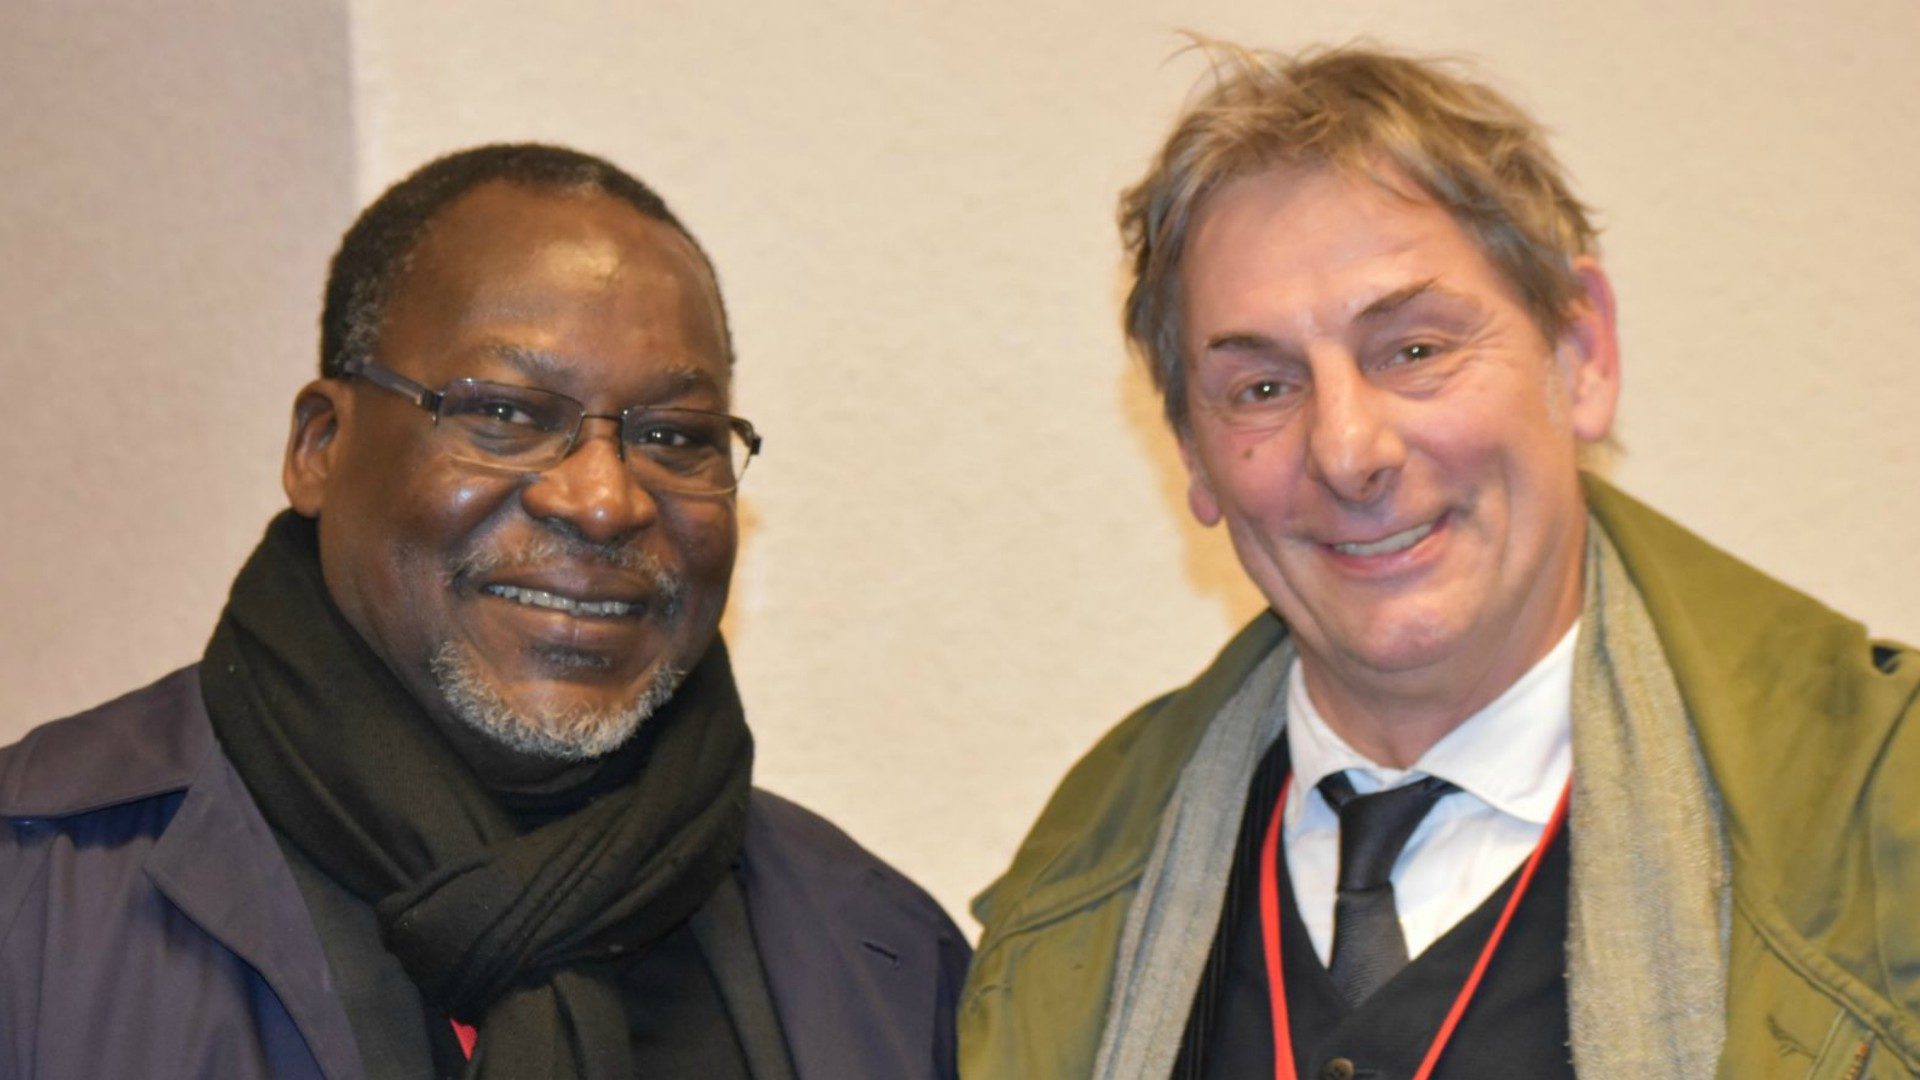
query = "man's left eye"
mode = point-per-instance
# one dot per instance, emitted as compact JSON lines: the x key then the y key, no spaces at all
{"x":685,"y":435}
{"x":662,"y":435}
{"x":1410,"y":354}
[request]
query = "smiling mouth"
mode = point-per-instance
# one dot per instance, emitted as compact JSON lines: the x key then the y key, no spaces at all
{"x":569,"y":605}
{"x":1388,"y":545}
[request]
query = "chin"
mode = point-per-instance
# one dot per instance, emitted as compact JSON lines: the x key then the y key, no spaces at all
{"x":552,"y":726}
{"x":1405,"y":643}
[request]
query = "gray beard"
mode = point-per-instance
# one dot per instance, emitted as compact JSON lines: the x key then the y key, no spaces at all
{"x":575,"y":734}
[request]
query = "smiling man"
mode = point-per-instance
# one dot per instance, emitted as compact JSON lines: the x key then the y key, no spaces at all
{"x":1516,"y":778}
{"x":463,"y":785}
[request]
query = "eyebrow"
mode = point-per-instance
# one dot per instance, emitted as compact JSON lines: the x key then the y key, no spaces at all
{"x":539,"y":365}
{"x":1386,"y":305}
{"x":1376,"y":310}
{"x":531,"y":362}
{"x":1240,"y":341}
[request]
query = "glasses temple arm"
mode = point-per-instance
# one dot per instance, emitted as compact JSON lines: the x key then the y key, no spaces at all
{"x":392,"y":380}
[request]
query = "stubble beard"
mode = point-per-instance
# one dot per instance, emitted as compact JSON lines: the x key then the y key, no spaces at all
{"x":574,"y":733}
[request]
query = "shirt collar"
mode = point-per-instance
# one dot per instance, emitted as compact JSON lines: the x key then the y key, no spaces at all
{"x":1514,"y":755}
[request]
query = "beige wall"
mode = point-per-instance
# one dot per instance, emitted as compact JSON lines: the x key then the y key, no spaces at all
{"x":967,"y":554}
{"x":172,"y":178}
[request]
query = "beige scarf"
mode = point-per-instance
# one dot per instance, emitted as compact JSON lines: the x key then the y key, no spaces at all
{"x":1647,"y":934}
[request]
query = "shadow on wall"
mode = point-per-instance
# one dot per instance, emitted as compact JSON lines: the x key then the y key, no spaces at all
{"x":734,"y":620}
{"x":1211,"y":567}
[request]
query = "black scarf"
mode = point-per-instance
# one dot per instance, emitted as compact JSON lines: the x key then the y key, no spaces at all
{"x":520,"y":934}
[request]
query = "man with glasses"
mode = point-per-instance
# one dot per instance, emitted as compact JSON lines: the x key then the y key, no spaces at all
{"x":1517,"y":778}
{"x":463,"y":784}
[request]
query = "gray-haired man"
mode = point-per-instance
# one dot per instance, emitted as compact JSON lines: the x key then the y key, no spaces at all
{"x":1382,"y":332}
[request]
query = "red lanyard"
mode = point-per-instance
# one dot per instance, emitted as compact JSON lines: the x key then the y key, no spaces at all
{"x":1270,"y":936}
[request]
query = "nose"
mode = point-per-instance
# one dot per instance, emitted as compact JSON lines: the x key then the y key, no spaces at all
{"x":1353,"y":447}
{"x":592,"y":490}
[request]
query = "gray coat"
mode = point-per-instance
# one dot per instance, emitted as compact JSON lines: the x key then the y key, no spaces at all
{"x":150,"y":926}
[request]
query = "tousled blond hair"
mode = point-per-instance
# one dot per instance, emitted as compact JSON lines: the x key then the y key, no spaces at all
{"x":1394,"y":119}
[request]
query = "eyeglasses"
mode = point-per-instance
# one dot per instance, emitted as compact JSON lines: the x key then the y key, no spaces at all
{"x":526,"y":429}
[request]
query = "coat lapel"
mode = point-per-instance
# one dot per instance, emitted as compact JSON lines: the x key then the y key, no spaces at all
{"x":220,"y":865}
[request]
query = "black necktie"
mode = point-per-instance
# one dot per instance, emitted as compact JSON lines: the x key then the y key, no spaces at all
{"x":1368,"y":947}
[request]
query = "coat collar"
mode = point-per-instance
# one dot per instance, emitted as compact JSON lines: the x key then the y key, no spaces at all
{"x":1097,"y":831}
{"x":146,"y":743}
{"x":217,"y":861}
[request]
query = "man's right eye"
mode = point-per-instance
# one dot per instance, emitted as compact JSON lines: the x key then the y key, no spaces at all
{"x":1261,"y":392}
{"x":499,"y":419}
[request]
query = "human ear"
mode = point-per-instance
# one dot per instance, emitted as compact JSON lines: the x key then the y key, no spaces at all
{"x":1589,"y":354}
{"x":1200,"y":497}
{"x":320,"y":411}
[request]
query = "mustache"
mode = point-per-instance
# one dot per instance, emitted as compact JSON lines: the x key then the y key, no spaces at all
{"x":551,"y":548}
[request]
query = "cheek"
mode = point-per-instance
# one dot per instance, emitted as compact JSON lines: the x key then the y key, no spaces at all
{"x":704,"y":538}
{"x":1256,"y":477}
{"x":459,"y":505}
{"x":1478,"y":434}
{"x":426,"y":519}
{"x":446,"y":497}
{"x":1518,"y":404}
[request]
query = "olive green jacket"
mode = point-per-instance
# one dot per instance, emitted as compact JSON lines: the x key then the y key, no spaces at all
{"x":1807,"y":728}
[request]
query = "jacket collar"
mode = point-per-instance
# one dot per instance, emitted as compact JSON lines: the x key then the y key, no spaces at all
{"x":217,"y":861}
{"x":127,"y":749}
{"x":1088,"y":843}
{"x":1773,"y":680}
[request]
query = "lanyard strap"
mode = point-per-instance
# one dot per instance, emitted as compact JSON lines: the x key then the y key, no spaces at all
{"x":1270,"y":936}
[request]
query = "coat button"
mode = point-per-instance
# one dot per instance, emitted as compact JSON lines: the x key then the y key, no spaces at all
{"x":1337,"y":1069}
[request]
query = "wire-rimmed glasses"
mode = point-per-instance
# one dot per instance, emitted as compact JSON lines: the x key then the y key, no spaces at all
{"x":527,"y":429}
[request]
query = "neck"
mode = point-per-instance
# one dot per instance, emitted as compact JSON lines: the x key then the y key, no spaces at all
{"x":1389,"y":729}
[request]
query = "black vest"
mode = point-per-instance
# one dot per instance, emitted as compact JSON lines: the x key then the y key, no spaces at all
{"x":1515,"y":1028}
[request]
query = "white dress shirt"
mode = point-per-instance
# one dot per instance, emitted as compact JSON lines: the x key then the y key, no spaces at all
{"x":1510,"y":761}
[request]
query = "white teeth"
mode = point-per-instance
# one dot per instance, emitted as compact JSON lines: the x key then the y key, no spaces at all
{"x":1399,"y":541}
{"x":542,"y":598}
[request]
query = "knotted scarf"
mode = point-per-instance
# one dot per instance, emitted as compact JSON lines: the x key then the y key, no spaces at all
{"x":520,"y":934}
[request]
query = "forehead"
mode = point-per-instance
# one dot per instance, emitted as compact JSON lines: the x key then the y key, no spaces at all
{"x":1325,"y":227}
{"x":581,"y":277}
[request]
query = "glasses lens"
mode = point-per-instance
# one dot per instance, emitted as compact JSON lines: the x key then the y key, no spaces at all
{"x":685,"y":449}
{"x":517,"y":426}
